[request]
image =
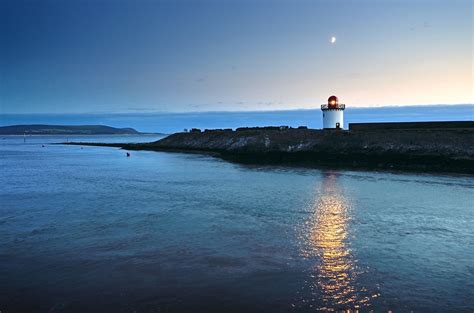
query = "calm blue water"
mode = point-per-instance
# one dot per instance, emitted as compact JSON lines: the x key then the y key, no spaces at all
{"x":90,"y":230}
{"x":174,"y":122}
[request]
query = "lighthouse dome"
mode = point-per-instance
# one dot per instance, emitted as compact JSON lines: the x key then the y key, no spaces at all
{"x":332,"y":98}
{"x":332,"y":102}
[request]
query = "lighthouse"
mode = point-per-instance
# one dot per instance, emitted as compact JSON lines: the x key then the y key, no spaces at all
{"x":333,"y":114}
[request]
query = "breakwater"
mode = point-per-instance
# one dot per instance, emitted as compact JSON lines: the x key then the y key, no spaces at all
{"x":412,"y":125}
{"x":447,"y":150}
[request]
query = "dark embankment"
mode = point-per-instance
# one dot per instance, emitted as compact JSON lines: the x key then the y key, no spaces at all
{"x":417,"y":150}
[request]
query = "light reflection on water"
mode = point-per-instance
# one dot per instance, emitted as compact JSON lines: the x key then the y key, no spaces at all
{"x":333,"y":283}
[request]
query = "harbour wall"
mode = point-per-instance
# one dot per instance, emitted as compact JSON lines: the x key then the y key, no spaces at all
{"x":412,"y":125}
{"x":425,"y":150}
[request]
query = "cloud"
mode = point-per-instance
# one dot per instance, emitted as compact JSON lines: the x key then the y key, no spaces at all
{"x":418,"y":26}
{"x":194,"y":105}
{"x":140,"y":109}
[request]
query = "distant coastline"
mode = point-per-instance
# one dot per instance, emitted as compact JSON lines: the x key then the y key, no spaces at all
{"x":41,"y":129}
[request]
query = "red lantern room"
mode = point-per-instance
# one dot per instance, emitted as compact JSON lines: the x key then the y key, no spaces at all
{"x":333,"y":102}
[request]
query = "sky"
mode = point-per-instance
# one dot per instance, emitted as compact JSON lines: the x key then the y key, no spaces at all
{"x":104,"y":56}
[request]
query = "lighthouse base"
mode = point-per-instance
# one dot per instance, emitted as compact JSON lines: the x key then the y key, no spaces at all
{"x":333,"y":119}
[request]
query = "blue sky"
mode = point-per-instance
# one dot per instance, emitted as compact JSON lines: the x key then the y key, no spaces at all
{"x":183,"y":56}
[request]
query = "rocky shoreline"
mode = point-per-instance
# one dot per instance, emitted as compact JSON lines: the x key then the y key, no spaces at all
{"x":431,"y":150}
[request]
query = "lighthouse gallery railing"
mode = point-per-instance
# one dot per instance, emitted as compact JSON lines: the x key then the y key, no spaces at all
{"x":333,"y":106}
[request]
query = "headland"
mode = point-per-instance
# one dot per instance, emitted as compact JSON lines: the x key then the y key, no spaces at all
{"x":41,"y":129}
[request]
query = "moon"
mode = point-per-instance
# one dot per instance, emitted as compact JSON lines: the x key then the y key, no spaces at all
{"x":333,"y":39}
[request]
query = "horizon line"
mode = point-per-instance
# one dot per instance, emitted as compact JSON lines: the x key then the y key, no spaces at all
{"x":232,"y":111}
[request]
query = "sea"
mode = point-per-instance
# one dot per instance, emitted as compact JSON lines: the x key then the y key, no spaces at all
{"x":88,"y":229}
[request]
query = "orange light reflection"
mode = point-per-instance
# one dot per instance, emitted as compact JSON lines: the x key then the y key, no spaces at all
{"x":326,"y":239}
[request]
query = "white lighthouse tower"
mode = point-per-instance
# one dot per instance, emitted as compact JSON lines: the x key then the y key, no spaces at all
{"x":333,"y":114}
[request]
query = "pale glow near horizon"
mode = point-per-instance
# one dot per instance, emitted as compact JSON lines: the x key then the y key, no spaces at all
{"x":206,"y":56}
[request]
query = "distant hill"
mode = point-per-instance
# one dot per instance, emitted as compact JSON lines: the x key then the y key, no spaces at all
{"x":38,"y":129}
